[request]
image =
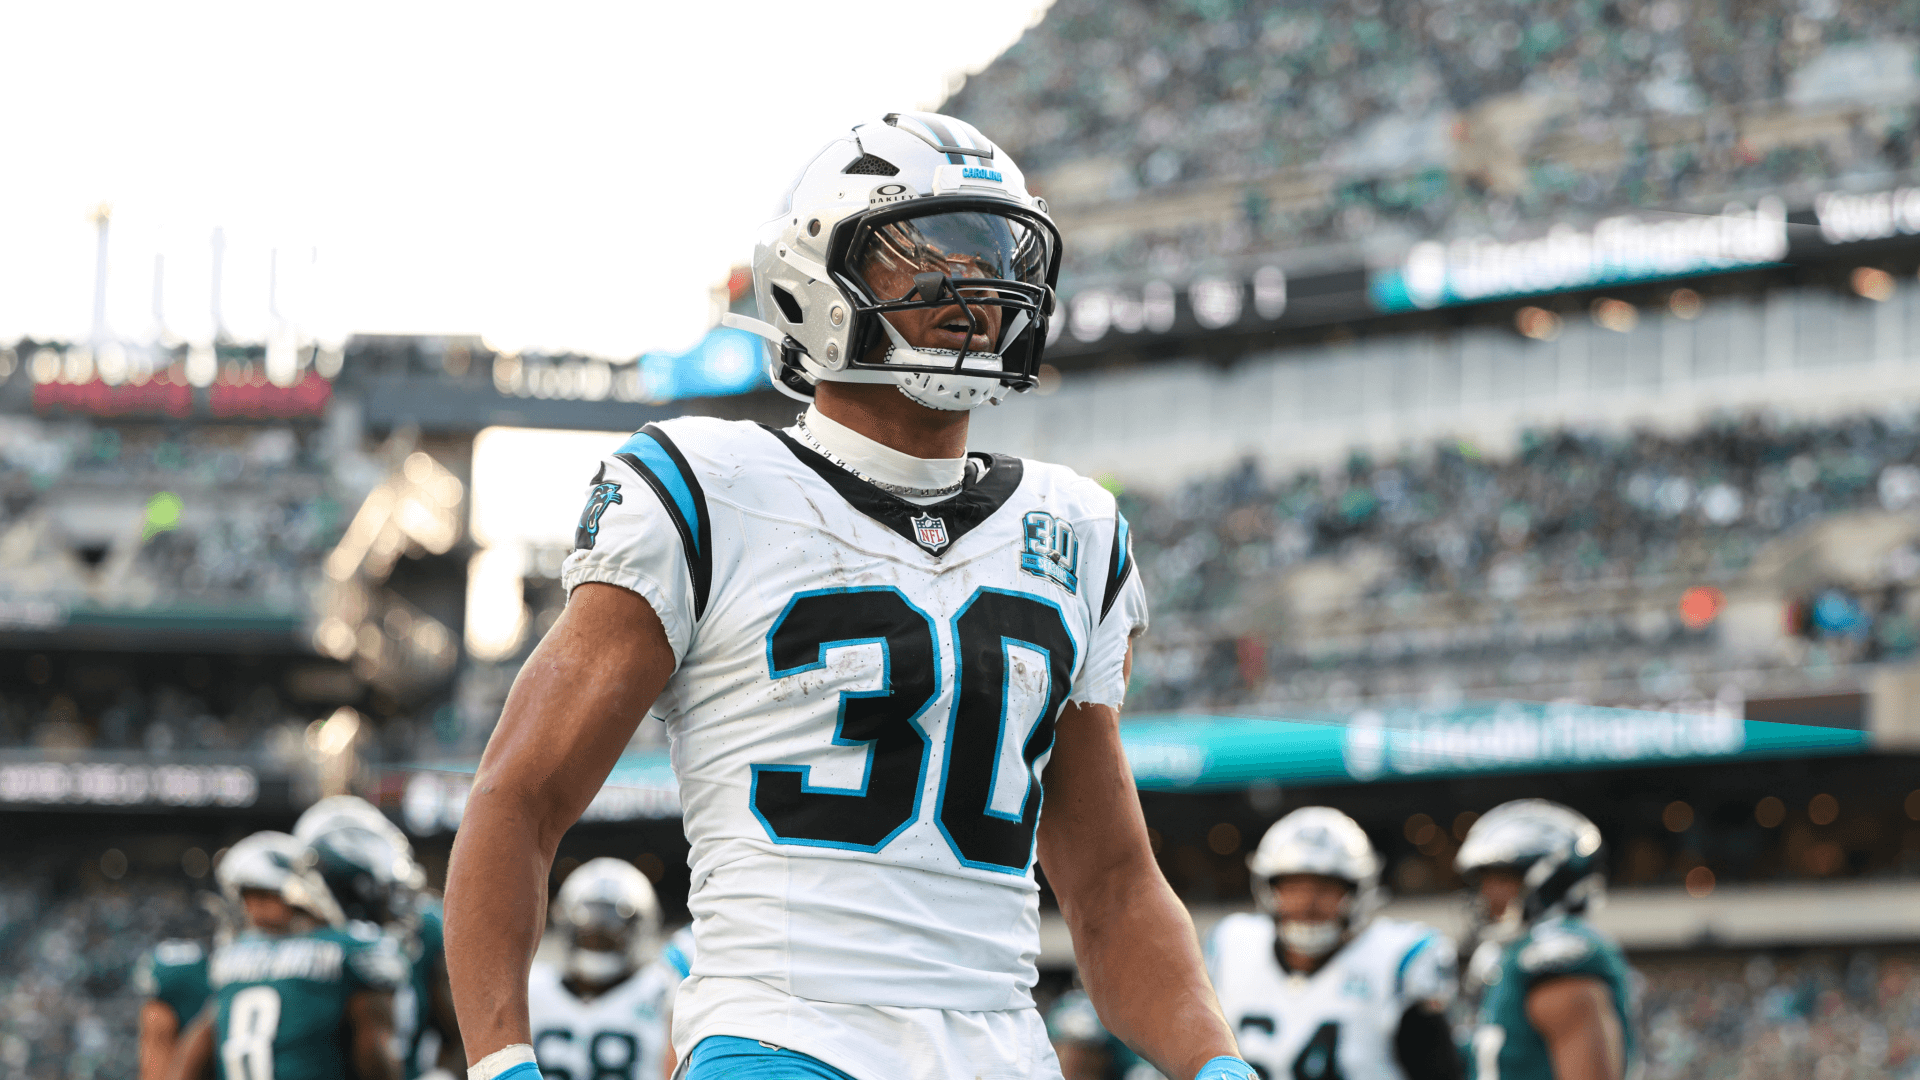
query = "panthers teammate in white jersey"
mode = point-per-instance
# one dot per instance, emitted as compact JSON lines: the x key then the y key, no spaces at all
{"x":1317,"y":989}
{"x":603,"y":1012}
{"x":871,"y":650}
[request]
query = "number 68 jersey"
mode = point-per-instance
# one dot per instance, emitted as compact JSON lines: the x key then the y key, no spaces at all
{"x":865,"y":699}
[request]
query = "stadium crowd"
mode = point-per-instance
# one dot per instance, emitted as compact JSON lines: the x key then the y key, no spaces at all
{"x":143,"y":516}
{"x":1757,"y":1017}
{"x":68,"y":1006}
{"x":1442,"y":118}
{"x":1571,"y":512}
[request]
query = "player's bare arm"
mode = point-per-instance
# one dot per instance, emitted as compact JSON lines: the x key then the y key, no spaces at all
{"x":452,"y":1055}
{"x":572,"y":709}
{"x":1575,"y":1016}
{"x":370,"y":1014}
{"x":192,"y":1056}
{"x":159,"y":1028}
{"x":1132,"y":938}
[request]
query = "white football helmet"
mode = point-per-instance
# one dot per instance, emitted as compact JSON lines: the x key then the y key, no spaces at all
{"x":1559,"y":853}
{"x":612,"y":903}
{"x":1322,"y":841}
{"x":914,"y":211}
{"x":277,"y":863}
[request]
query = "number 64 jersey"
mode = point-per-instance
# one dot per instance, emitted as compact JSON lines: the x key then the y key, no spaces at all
{"x":864,"y":704}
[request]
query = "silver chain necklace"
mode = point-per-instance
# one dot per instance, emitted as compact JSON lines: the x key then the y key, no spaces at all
{"x":813,"y":443}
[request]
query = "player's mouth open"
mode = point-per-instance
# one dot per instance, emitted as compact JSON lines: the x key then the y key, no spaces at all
{"x":950,"y":332}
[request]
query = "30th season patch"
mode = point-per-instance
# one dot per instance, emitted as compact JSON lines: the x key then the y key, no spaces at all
{"x":1052,"y":550}
{"x":604,"y":494}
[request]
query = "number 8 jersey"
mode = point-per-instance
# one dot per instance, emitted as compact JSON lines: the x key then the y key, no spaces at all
{"x":862,"y":711}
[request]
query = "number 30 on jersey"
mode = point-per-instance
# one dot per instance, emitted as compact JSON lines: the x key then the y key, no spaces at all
{"x":1014,"y":663}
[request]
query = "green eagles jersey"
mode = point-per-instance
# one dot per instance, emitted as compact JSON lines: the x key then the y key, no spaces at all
{"x":281,"y":1001}
{"x":1505,"y":1044}
{"x":415,"y":1015}
{"x":175,"y":975}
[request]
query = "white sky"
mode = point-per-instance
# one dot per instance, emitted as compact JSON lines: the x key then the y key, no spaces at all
{"x":552,"y":176}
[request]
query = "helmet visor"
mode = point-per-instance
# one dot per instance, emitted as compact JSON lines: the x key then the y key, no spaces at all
{"x":964,"y":244}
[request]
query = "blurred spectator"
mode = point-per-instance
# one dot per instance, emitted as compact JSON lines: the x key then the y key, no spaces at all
{"x":67,"y":1006}
{"x":144,"y":516}
{"x":1570,"y":513}
{"x":1386,"y":119}
{"x":1828,"y":1017}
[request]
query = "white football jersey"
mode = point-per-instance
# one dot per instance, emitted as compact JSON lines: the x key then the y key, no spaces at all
{"x":1341,"y":1020}
{"x":621,"y":1033}
{"x":863,"y":708}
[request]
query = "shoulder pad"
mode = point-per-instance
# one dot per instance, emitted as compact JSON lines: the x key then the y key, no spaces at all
{"x":379,"y":963}
{"x":178,"y":952}
{"x":1553,"y":950}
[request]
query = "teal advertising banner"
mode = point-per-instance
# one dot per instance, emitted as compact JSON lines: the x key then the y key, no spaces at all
{"x":1205,"y":753}
{"x":1191,"y":752}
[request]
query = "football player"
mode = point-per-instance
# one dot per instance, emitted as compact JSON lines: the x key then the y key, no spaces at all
{"x":1555,"y":994}
{"x":173,"y":980}
{"x":1317,"y":988}
{"x":297,"y":995}
{"x":605,"y":1011}
{"x":871,"y":649}
{"x":368,"y":864}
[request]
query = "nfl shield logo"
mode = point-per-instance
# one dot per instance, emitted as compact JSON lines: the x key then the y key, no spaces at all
{"x":930,"y":531}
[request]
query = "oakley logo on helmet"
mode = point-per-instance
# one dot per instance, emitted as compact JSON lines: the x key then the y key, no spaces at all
{"x":890,"y":193}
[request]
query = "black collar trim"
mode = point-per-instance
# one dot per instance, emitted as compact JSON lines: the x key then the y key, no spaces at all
{"x":941,"y":524}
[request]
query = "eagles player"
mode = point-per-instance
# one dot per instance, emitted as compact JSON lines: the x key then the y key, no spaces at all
{"x":871,"y":649}
{"x":1318,"y":989}
{"x":173,"y":980}
{"x":1556,"y":1002}
{"x":605,"y":1012}
{"x":295,"y":996}
{"x":369,"y":867}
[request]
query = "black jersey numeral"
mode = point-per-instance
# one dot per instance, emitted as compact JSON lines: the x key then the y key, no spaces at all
{"x":886,"y":720}
{"x":1320,"y":1058}
{"x":1015,"y":662}
{"x":1013,"y":649}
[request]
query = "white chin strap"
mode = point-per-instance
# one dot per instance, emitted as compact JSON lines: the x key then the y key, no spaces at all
{"x":597,"y":967}
{"x":1315,"y":939}
{"x":949,"y":393}
{"x":943,"y":391}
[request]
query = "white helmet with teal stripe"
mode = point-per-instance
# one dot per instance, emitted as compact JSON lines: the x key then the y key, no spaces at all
{"x":914,"y":220}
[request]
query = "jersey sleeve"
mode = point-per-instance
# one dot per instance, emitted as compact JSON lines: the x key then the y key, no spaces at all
{"x":375,"y":961}
{"x":1428,"y":971}
{"x":1121,"y":615}
{"x":645,"y":529}
{"x":174,"y":974}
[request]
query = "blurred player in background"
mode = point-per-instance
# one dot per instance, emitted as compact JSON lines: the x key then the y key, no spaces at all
{"x":1318,"y":989}
{"x":1087,"y":1051}
{"x":605,"y":1011}
{"x":1555,"y":994}
{"x":368,"y":864}
{"x":173,"y":979}
{"x":297,"y":994}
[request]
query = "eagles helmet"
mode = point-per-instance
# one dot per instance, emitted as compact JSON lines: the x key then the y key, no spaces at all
{"x":610,"y":918}
{"x":365,"y":860}
{"x":277,"y":863}
{"x":914,"y":211}
{"x":1323,"y":841}
{"x":1558,"y":852}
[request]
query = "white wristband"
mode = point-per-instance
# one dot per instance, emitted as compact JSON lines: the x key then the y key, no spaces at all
{"x":501,"y":1061}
